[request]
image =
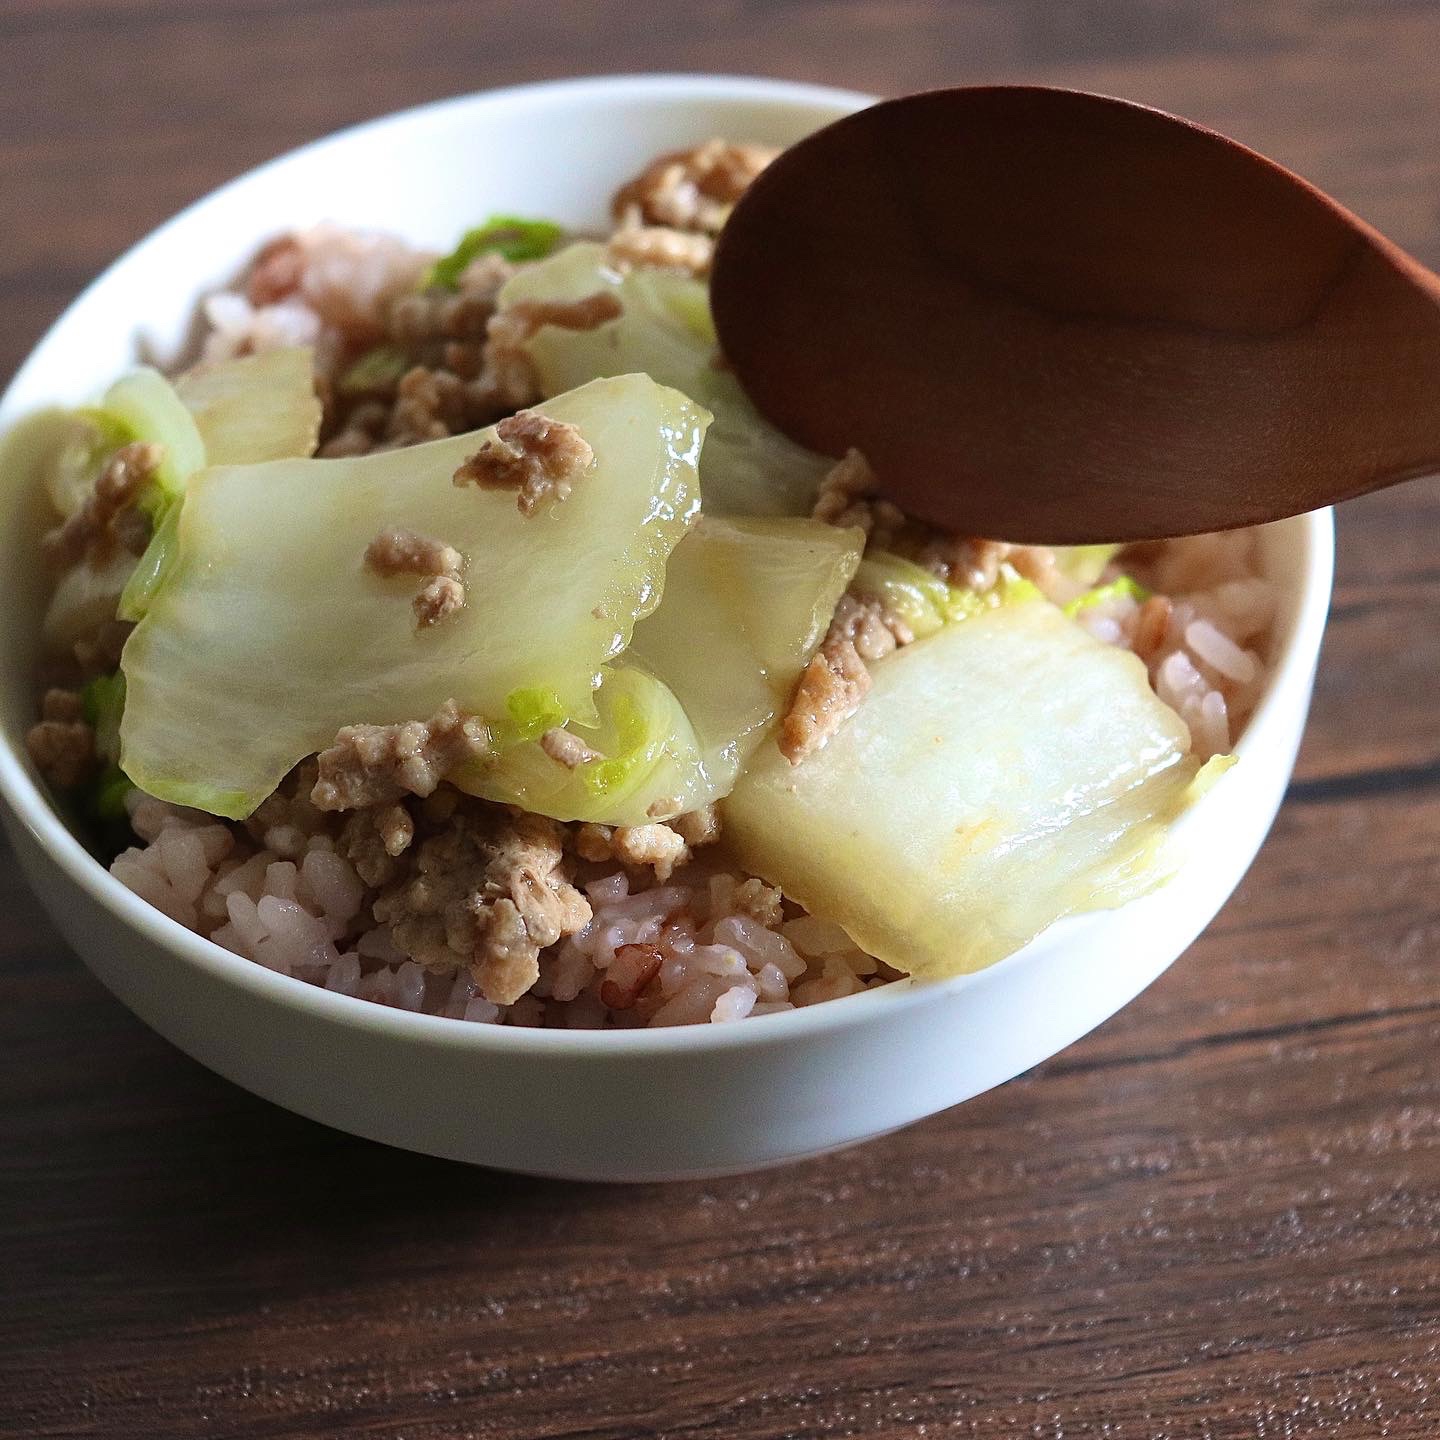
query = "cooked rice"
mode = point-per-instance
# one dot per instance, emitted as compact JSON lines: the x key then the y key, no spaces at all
{"x":727,"y":946}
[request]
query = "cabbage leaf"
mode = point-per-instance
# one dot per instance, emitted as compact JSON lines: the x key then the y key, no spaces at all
{"x":746,"y":602}
{"x":254,"y":407}
{"x":263,"y":633}
{"x":1001,"y":773}
{"x":665,"y":330}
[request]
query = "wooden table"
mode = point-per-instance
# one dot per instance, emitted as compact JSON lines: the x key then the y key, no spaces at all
{"x":1217,"y":1217}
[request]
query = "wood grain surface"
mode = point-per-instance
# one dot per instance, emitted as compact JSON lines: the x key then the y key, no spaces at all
{"x":1217,"y":1217}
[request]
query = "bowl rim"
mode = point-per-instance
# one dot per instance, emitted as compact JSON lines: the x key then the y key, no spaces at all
{"x":30,"y":806}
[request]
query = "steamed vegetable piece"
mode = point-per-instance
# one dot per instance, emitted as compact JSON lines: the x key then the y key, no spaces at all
{"x":746,"y":602}
{"x":749,"y":467}
{"x":645,"y":750}
{"x":255,"y":407}
{"x":1002,"y":773}
{"x":1122,"y":587}
{"x":1085,"y":563}
{"x":85,"y":597}
{"x":263,"y":633}
{"x":146,"y":406}
{"x":924,"y":601}
{"x":84,"y":442}
{"x":104,"y":702}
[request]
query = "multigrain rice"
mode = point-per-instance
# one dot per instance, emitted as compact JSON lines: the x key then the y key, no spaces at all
{"x":704,"y":945}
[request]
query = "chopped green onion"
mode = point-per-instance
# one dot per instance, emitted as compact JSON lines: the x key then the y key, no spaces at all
{"x":905,"y":589}
{"x":111,"y":791}
{"x":104,"y":702}
{"x":374,"y":370}
{"x":510,"y":236}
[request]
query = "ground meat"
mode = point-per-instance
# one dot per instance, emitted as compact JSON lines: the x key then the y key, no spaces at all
{"x":698,"y":827}
{"x":974,"y":564}
{"x":508,"y":368}
{"x":358,"y":432}
{"x":567,"y":749}
{"x":833,"y":684}
{"x":1151,"y":625}
{"x":847,"y":497}
{"x":438,"y":598}
{"x":490,"y":892}
{"x":656,"y":847}
{"x":61,"y":744}
{"x":433,"y":403}
{"x":753,"y":897}
{"x":632,"y":969}
{"x":377,"y":764}
{"x":373,"y":839}
{"x":98,"y":653}
{"x":277,"y":271}
{"x":876,"y":629}
{"x":97,"y":527}
{"x":448,"y":330}
{"x":969,"y":563}
{"x":402,"y":552}
{"x":62,"y":704}
{"x":692,"y":189}
{"x":538,"y":458}
{"x":430,"y":316}
{"x":660,"y":247}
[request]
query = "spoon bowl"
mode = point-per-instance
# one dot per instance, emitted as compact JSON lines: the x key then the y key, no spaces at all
{"x":1056,"y":317}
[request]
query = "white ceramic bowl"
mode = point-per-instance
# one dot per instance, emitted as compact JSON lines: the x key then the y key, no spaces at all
{"x":629,"y":1105}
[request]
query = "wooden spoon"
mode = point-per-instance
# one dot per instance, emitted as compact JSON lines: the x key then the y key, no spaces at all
{"x":1050,"y":316}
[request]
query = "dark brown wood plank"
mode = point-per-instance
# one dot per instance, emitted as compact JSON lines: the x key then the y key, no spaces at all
{"x":1218,"y":1218}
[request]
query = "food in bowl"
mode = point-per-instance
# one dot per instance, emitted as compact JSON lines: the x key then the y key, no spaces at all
{"x":455,"y":634}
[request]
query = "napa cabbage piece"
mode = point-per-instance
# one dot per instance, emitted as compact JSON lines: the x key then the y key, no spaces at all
{"x":1001,"y":773}
{"x":84,"y":598}
{"x":263,"y":633}
{"x":142,"y":405}
{"x":254,"y":407}
{"x":665,"y":330}
{"x":1122,"y":587}
{"x":746,"y":603}
{"x":645,"y":746}
{"x":1085,"y":563}
{"x":85,"y":441}
{"x":257,"y":407}
{"x":146,"y":406}
{"x":924,"y":601}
